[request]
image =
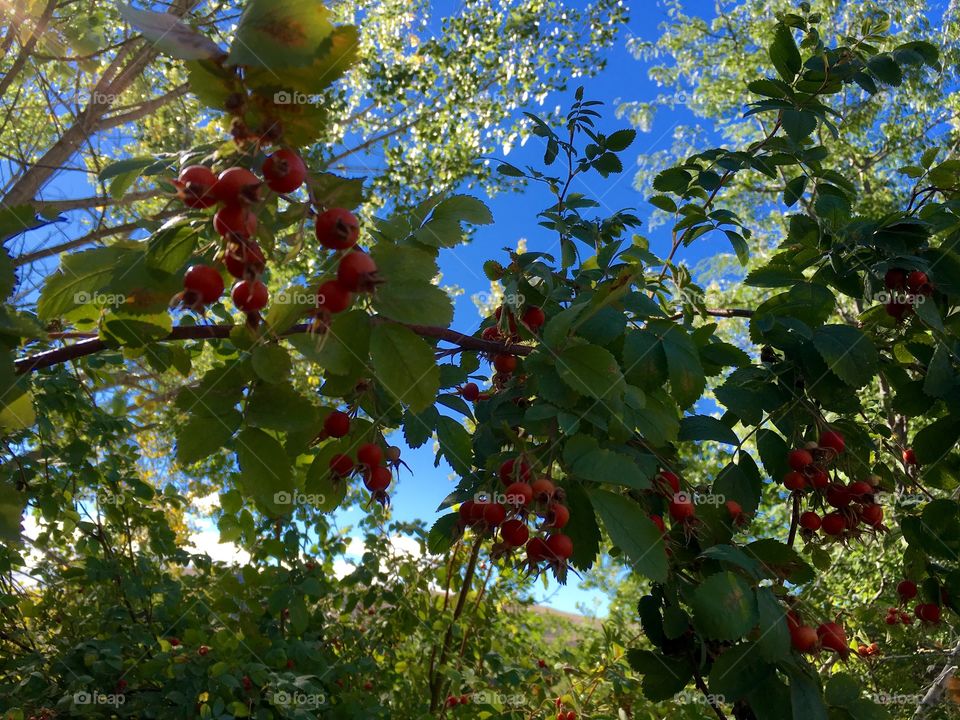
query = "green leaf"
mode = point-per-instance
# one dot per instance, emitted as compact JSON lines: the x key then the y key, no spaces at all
{"x":582,"y":527}
{"x":288,"y":306}
{"x":774,"y":640}
{"x":455,"y":445}
{"x":278,"y":34}
{"x":201,"y":436}
{"x":592,"y":371}
{"x":805,"y":697}
{"x":12,"y":504}
{"x":936,"y":440}
{"x":724,"y":607}
{"x":630,"y":529}
{"x":414,"y":301}
{"x":172,"y":246}
{"x":885,"y":69}
{"x":463,"y":208}
{"x":784,"y":53}
{"x":606,"y":466}
{"x":343,"y":348}
{"x":663,"y":676}
{"x":848,"y":352}
{"x":80,"y":276}
{"x":705,"y":427}
{"x":620,"y":140}
{"x":737,"y":671}
{"x":404,"y":365}
{"x":799,"y":124}
{"x":793,"y":190}
{"x":265,"y":472}
{"x":672,"y":180}
{"x":440,"y":538}
{"x":271,"y":362}
{"x":780,"y":560}
{"x":167,"y":33}
{"x":280,"y":407}
{"x":335,"y":191}
{"x":687,"y":380}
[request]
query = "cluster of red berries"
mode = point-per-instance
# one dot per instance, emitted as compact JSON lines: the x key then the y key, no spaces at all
{"x":924,"y":612}
{"x":454,"y":700}
{"x":906,"y":288}
{"x":522,"y":499}
{"x":338,"y":230}
{"x":853,"y":503}
{"x":870,"y":650}
{"x":504,"y":329}
{"x":372,"y":462}
{"x":236,"y":190}
{"x":828,"y":635}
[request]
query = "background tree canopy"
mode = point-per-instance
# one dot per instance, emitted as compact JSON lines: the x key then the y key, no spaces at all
{"x":235,"y":237}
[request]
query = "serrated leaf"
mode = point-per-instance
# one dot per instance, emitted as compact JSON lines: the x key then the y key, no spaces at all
{"x":848,"y":352}
{"x":784,"y":53}
{"x":724,"y":607}
{"x":271,"y":362}
{"x":201,"y":436}
{"x":705,"y":427}
{"x":404,"y":364}
{"x":591,"y":370}
{"x":630,"y":529}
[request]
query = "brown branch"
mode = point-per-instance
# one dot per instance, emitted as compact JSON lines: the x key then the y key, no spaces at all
{"x":144,"y":108}
{"x":721,"y":313}
{"x":87,"y":239}
{"x":93,"y":202}
{"x":92,"y":345}
{"x":27,"y":49}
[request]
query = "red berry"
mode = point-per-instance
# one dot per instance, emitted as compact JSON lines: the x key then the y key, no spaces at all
{"x":284,"y":171}
{"x":195,"y":184}
{"x":370,"y":454}
{"x":203,"y":650}
{"x":341,"y":465}
{"x":470,"y":392}
{"x":895,"y":279}
{"x":512,"y":470}
{"x":519,"y":494}
{"x":860,"y":488}
{"x":681,"y":508}
{"x":235,"y":219}
{"x":557,"y":516}
{"x":872,"y":515}
{"x":466,"y":511}
{"x":514,"y":533}
{"x":241,"y":257}
{"x":667,"y":479}
{"x":794,"y":481}
{"x":247,"y":682}
{"x":494,"y":514}
{"x":533,"y":317}
{"x":833,"y":440}
{"x":734,"y":508}
{"x":451,"y":701}
{"x":249,"y":295}
{"x":205,"y":282}
{"x":377,"y":479}
{"x":890,"y":619}
{"x":927,"y":612}
{"x":174,"y":642}
{"x":874,"y":648}
{"x":819,"y":479}
{"x":543,"y":489}
{"x":917,"y":280}
{"x":356,"y":270}
{"x":392,"y":454}
{"x":909,"y":457}
{"x":236,"y":185}
{"x":897,"y":309}
{"x":838,"y":496}
{"x":833,"y":637}
{"x":337,"y":229}
{"x":333,"y":297}
{"x":907,"y":589}
{"x":571,"y":715}
{"x":834,"y":524}
{"x":505,"y":364}
{"x":804,"y":638}
{"x":464,"y":699}
{"x":799,"y":459}
{"x":658,"y":521}
{"x":337,"y":424}
{"x":560,"y":545}
{"x":863,"y":650}
{"x":906,"y":619}
{"x":537,"y":550}
{"x":810,"y":521}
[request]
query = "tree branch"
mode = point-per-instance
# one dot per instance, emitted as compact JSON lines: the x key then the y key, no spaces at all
{"x":721,"y":313}
{"x":27,"y":49}
{"x":93,"y":202}
{"x":93,"y":344}
{"x":143,"y":109}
